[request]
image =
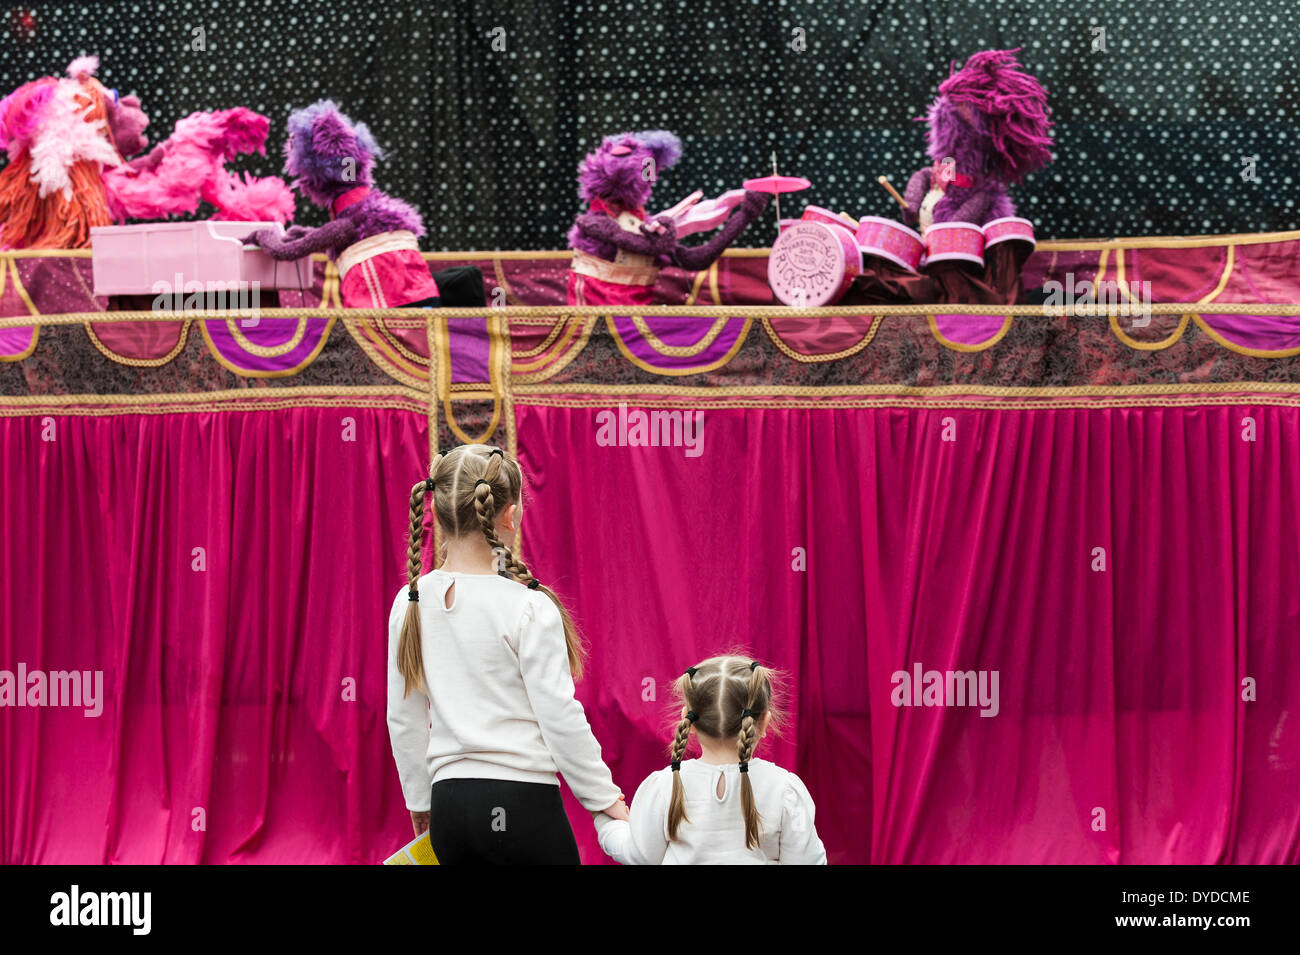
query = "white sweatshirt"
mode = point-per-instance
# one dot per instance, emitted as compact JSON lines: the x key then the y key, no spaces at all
{"x":500,"y":701}
{"x":716,"y":831}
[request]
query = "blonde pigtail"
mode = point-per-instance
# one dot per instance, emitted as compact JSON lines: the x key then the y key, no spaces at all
{"x":681,"y":737}
{"x":745,"y":743}
{"x":410,"y":659}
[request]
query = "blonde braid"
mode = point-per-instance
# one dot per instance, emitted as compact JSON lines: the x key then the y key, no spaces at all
{"x":746,"y":741}
{"x":485,"y":508}
{"x":410,"y":659}
{"x":677,"y":805}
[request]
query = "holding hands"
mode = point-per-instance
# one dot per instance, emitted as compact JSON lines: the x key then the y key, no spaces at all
{"x":618,"y":810}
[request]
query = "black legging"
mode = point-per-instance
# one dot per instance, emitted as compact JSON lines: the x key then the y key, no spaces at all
{"x":495,"y":822}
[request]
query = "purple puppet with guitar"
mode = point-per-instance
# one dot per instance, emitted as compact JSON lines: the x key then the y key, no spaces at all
{"x":617,"y":250}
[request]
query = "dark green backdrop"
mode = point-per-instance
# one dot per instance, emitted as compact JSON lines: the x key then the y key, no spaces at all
{"x":1151,"y":136}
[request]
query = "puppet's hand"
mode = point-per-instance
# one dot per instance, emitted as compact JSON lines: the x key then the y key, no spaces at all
{"x":914,"y":195}
{"x":146,"y":163}
{"x":662,"y":233}
{"x":297,"y":232}
{"x":754,"y":203}
{"x":256,"y":238}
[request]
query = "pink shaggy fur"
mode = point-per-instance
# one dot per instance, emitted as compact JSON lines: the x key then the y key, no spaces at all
{"x":190,"y":166}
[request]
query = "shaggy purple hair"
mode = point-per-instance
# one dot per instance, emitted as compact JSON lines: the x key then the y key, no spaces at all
{"x":992,"y":109}
{"x":320,"y":139}
{"x":614,"y":172}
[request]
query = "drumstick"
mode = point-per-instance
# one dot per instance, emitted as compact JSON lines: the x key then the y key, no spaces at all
{"x":892,"y":191}
{"x":776,"y":196}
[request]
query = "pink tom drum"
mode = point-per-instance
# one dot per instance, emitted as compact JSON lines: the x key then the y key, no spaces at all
{"x":890,"y":240}
{"x":818,"y":214}
{"x":813,"y":263}
{"x":1008,"y":229}
{"x":954,"y":242}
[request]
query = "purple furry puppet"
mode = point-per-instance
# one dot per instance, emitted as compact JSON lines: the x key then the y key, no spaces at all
{"x":617,"y":254}
{"x":371,"y":234}
{"x":988,"y":128}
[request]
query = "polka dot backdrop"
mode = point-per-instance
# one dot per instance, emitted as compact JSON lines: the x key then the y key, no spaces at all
{"x":1171,"y":117}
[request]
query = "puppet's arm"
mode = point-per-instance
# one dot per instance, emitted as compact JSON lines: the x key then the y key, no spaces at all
{"x":914,"y":195}
{"x":694,"y":258}
{"x":602,"y":228}
{"x":975,"y":209}
{"x":332,"y":235}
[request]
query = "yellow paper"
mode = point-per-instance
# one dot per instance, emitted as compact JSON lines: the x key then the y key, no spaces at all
{"x":418,"y":851}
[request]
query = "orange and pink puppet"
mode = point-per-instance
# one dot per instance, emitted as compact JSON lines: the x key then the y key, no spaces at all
{"x":70,"y":142}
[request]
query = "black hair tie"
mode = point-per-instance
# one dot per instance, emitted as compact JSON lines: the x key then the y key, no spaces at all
{"x":487,"y":484}
{"x":692,"y":716}
{"x":754,"y":666}
{"x":497,"y":451}
{"x":534,"y":584}
{"x":428,"y":485}
{"x":413,"y":596}
{"x":747,"y":712}
{"x":744,"y":766}
{"x":690,"y":672}
{"x":676,"y":764}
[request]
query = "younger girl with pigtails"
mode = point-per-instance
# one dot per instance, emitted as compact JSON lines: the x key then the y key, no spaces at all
{"x":481,"y":664}
{"x":727,"y":806}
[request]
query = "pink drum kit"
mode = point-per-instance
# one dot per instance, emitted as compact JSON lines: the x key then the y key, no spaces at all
{"x":815,"y":258}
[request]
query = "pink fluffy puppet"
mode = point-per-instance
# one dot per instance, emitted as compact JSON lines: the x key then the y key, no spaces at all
{"x":617,"y":254}
{"x":190,"y":166}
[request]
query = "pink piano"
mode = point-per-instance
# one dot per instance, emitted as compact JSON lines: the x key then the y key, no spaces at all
{"x":133,"y":259}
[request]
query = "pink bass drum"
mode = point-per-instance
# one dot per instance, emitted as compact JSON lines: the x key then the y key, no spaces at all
{"x":890,"y":240}
{"x":813,"y":261}
{"x":954,"y":242}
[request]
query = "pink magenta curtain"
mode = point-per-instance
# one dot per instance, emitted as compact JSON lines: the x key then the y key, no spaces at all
{"x":1119,"y":688}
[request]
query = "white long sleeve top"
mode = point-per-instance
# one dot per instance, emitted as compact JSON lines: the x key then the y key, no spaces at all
{"x":716,"y":831}
{"x":499,"y":701}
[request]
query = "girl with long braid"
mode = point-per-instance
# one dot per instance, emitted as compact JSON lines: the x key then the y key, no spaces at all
{"x":482,"y":659}
{"x":727,"y":807}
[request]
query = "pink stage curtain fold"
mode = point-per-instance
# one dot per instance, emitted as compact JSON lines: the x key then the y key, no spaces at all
{"x":244,"y":682}
{"x":1120,"y":690}
{"x":244,"y":711}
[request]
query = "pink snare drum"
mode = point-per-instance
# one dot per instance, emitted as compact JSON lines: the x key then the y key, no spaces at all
{"x":890,"y":240}
{"x":1009,"y":228}
{"x":813,"y":263}
{"x":954,"y":242}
